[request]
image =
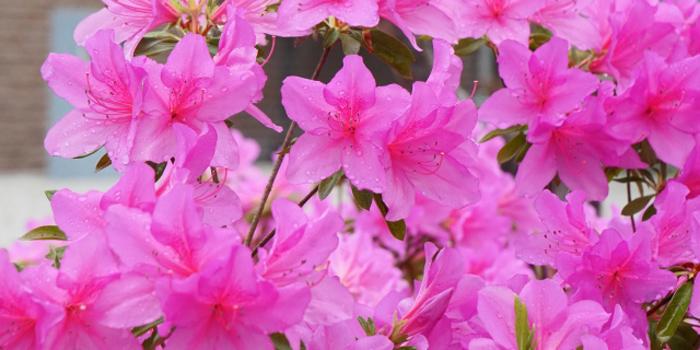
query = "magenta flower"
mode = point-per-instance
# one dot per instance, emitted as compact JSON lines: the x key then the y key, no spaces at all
{"x":575,"y":150}
{"x":301,"y":246}
{"x":617,"y":271}
{"x":90,"y":305}
{"x":130,"y":19}
{"x":365,"y":269}
{"x":300,"y":15}
{"x":190,"y":89}
{"x":227,"y":306}
{"x":106,"y":95}
{"x":419,"y":17}
{"x":672,"y":225}
{"x":344,"y":123}
{"x":557,"y":323}
{"x":499,"y":19}
{"x":661,"y":106}
{"x":568,"y":229}
{"x":443,"y":270}
{"x":628,"y":33}
{"x":18,"y":312}
{"x":568,"y":20}
{"x":424,"y":155}
{"x":539,"y":86}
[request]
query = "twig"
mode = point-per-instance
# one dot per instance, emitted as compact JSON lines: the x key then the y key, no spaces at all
{"x":278,"y":162}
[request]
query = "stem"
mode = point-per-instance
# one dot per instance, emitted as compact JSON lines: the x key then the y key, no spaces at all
{"x":272,"y":233}
{"x":278,"y":162}
{"x":629,"y":199}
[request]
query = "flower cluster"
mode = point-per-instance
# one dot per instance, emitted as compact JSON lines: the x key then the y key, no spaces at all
{"x":428,"y":243}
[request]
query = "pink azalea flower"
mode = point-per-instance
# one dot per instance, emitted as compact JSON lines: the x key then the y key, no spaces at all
{"x":262,"y":20}
{"x":87,"y":304}
{"x":106,"y":95}
{"x":617,"y":271}
{"x":618,"y":334}
{"x":190,"y":89}
{"x":568,"y":20}
{"x":300,"y":15}
{"x":227,"y":306}
{"x":574,"y":150}
{"x":365,"y":269}
{"x":672,"y":225}
{"x":344,"y":121}
{"x":567,"y":229}
{"x":421,"y":158}
{"x":237,"y":51}
{"x":628,"y":30}
{"x":419,"y":17}
{"x":557,"y":323}
{"x":689,"y":175}
{"x":498,"y":19}
{"x":660,"y":107}
{"x":539,"y":86}
{"x":300,"y":246}
{"x":172,"y":241}
{"x":421,"y":313}
{"x":130,"y":19}
{"x":194,"y":155}
{"x":18,"y":313}
{"x":347,"y":335}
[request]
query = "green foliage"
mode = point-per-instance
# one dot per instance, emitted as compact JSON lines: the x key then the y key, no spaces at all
{"x":674,"y":313}
{"x":363,"y":198}
{"x":46,"y":233}
{"x":468,"y":46}
{"x":392,"y":51}
{"x":498,"y":132}
{"x":326,"y":185}
{"x":397,"y":228}
{"x":636,"y":205}
{"x":513,"y":148}
{"x":524,"y":336}
{"x":55,"y":254}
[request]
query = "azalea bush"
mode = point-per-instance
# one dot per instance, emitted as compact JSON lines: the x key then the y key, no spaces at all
{"x":389,"y":223}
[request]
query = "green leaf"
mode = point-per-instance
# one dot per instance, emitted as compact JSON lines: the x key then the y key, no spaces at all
{"x":44,"y":233}
{"x":55,"y":254}
{"x":153,"y":45}
{"x":351,"y":46}
{"x":141,"y":330}
{"x":512,"y":148}
{"x":49,"y":194}
{"x":522,"y":328}
{"x":407,"y":347}
{"x":87,"y":154}
{"x":636,"y":205}
{"x":540,"y":36}
{"x":330,"y":36}
{"x":649,"y":212}
{"x":521,"y":155}
{"x":158,"y":168}
{"x":498,"y":132}
{"x":611,"y":172}
{"x":674,"y":313}
{"x":397,"y":228}
{"x":280,"y":341}
{"x":367,"y":325}
{"x":363,"y":198}
{"x":392,"y":51}
{"x":468,"y":46}
{"x":103,"y":163}
{"x":647,"y":153}
{"x":326,"y":185}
